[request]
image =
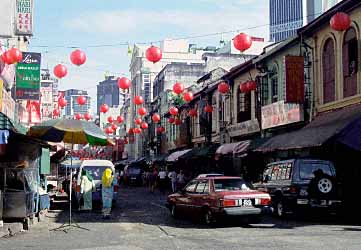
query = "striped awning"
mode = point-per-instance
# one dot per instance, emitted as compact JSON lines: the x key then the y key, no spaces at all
{"x":234,"y":148}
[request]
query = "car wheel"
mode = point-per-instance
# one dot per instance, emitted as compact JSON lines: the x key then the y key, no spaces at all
{"x":324,"y":185}
{"x":173,"y":211}
{"x":208,"y":218}
{"x":279,"y":209}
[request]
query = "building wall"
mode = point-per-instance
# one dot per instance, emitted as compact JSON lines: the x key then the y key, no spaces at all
{"x":72,"y":106}
{"x":108,"y":93}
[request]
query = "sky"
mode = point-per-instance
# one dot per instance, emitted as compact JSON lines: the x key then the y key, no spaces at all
{"x":91,"y":24}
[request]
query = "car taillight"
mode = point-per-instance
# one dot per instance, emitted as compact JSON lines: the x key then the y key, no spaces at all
{"x":116,"y":188}
{"x":229,"y":203}
{"x":265,"y":202}
{"x":293,"y":190}
{"x":78,"y":189}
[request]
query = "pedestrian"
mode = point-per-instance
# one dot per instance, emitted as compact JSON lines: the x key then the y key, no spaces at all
{"x":107,"y":192}
{"x":173,"y":178}
{"x":180,"y":180}
{"x":162,"y":180}
{"x":87,"y":187}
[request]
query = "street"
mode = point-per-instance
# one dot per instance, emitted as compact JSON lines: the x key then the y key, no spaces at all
{"x":140,"y":221}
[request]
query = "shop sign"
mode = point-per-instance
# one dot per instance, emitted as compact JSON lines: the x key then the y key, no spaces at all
{"x":295,"y":79}
{"x":280,"y":113}
{"x":243,"y":128}
{"x":24,"y":17}
{"x":7,"y":103}
{"x":28,"y":77}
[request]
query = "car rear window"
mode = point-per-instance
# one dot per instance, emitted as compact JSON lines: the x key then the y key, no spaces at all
{"x":307,"y":169}
{"x":202,"y":187}
{"x":221,"y":185}
{"x":280,"y":171}
{"x":95,"y":171}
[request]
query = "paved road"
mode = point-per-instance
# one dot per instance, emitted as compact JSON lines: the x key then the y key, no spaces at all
{"x":141,"y":222}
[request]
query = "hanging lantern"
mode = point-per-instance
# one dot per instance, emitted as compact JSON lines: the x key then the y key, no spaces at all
{"x":171,"y":120}
{"x":60,"y":71}
{"x":156,"y":118}
{"x":188,"y":96}
{"x":340,"y":21}
{"x":81,"y":100}
{"x":138,"y":100}
{"x":243,"y":87}
{"x":137,"y":130}
{"x":124,"y":83}
{"x":178,"y":88}
{"x":160,"y":130}
{"x":120,"y":119}
{"x":242,"y":42}
{"x":87,"y":116}
{"x":126,"y":141}
{"x":192,"y":112}
{"x":144,"y":125}
{"x":131,"y":131}
{"x":104,"y":108}
{"x":6,"y":58}
{"x":78,"y":57}
{"x":78,"y":116}
{"x":208,"y":109}
{"x":114,"y":127}
{"x":16,"y":55}
{"x":142,"y":111}
{"x":178,"y":121}
{"x":173,"y":111}
{"x":138,"y":121}
{"x":108,"y":130}
{"x":62,"y":102}
{"x":251,"y":85}
{"x":110,"y":119}
{"x":56,"y":112}
{"x":223,"y":88}
{"x":153,"y":54}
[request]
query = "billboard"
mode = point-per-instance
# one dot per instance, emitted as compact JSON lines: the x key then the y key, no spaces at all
{"x":28,"y":77}
{"x":46,"y":100}
{"x":24,"y":17}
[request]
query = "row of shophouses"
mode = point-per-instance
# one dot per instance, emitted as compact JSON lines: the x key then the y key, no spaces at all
{"x":307,"y":103}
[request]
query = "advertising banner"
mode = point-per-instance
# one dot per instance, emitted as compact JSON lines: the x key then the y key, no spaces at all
{"x":28,"y":77}
{"x":24,"y":17}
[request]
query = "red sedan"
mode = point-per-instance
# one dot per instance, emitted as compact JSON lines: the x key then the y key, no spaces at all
{"x":210,"y":198}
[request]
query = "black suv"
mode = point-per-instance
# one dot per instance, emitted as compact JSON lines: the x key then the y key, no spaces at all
{"x":301,"y":183}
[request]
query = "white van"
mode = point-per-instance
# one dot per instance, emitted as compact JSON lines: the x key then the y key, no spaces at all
{"x":96,"y":169}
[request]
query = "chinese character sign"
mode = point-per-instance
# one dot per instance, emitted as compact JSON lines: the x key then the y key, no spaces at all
{"x":28,"y":77}
{"x":24,"y":17}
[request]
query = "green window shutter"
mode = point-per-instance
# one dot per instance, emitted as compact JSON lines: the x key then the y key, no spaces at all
{"x":45,"y":161}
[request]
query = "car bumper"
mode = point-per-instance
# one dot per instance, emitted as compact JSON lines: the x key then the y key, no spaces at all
{"x":318,"y":203}
{"x":243,"y":211}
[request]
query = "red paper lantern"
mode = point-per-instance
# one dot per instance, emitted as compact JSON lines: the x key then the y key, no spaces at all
{"x":223,"y":88}
{"x":243,"y":87}
{"x":104,"y":108}
{"x":120,"y":119}
{"x":178,"y":88}
{"x":81,"y":100}
{"x":109,"y":130}
{"x":16,"y":55}
{"x":208,"y":109}
{"x":188,"y":96}
{"x":144,"y":125}
{"x":7,"y":58}
{"x":137,"y":130}
{"x":114,"y":127}
{"x":138,"y":121}
{"x":192,"y":112}
{"x":242,"y":42}
{"x":160,"y":130}
{"x":110,"y":119}
{"x":131,"y":131}
{"x":126,"y":141}
{"x":138,"y":100}
{"x":78,"y":116}
{"x":171,"y":120}
{"x":340,"y":21}
{"x":153,"y":54}
{"x":87,"y":116}
{"x":142,"y":111}
{"x":62,"y":102}
{"x":78,"y":57}
{"x":56,"y":112}
{"x":60,"y":71}
{"x":124,"y":83}
{"x":156,"y":118}
{"x":178,"y":121}
{"x":251,"y":85}
{"x":173,"y":111}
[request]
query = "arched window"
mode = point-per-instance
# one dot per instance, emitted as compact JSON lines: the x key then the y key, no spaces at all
{"x":328,"y":69}
{"x":274,"y":84}
{"x":349,"y":61}
{"x":243,"y":106}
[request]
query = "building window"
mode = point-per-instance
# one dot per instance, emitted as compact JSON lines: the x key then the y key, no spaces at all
{"x":243,"y":106}
{"x":328,"y":68}
{"x":349,"y":61}
{"x":274,"y":84}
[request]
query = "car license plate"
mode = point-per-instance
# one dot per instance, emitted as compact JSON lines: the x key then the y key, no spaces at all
{"x":245,"y":203}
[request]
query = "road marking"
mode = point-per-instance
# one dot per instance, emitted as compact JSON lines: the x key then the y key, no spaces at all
{"x":157,"y":205}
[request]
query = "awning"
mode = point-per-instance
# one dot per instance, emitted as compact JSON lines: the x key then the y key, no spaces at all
{"x":233,"y":148}
{"x":207,"y":151}
{"x":161,"y":158}
{"x":324,"y":127}
{"x":175,"y":155}
{"x":226,"y":149}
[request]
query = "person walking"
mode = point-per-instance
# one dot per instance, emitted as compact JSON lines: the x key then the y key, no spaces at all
{"x":162,"y":180}
{"x":107,"y":192}
{"x":87,"y":187}
{"x":180,"y":180}
{"x":173,"y":178}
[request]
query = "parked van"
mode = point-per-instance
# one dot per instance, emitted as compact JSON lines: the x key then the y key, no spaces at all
{"x":96,"y":169}
{"x":300,"y":184}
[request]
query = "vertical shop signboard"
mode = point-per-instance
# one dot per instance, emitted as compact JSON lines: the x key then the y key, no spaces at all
{"x":24,"y":17}
{"x":28,"y":77}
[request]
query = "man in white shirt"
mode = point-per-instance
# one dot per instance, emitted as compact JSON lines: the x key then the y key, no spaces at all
{"x":173,"y":177}
{"x":162,"y":175}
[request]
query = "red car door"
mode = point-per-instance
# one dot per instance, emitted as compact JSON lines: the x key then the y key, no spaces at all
{"x":184,"y":201}
{"x":200,"y":197}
